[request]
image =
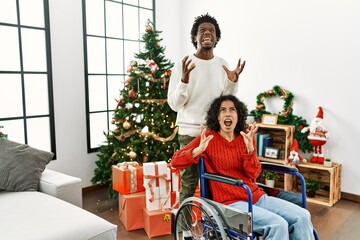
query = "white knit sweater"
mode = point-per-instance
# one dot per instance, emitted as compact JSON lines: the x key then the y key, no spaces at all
{"x":191,"y":100}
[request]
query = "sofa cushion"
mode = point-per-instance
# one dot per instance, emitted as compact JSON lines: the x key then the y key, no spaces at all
{"x":21,"y":166}
{"x":38,"y":216}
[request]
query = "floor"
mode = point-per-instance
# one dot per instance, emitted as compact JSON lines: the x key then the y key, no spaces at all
{"x":338,"y":222}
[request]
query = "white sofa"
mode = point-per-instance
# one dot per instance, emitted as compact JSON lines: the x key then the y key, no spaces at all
{"x":53,"y":212}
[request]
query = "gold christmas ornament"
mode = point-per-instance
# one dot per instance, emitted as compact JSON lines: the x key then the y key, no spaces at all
{"x":132,"y":155}
{"x":126,"y":125}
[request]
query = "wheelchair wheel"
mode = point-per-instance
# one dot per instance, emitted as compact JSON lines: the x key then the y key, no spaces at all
{"x":198,"y":218}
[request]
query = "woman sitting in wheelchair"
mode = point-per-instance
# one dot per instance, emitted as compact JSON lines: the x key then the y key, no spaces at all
{"x":228,"y":148}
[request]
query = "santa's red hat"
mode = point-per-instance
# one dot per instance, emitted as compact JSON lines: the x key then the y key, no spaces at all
{"x":295,"y":147}
{"x":320,"y":113}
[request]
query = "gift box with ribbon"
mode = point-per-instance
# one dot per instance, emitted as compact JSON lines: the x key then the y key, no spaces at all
{"x":131,"y":210}
{"x":175,"y":199}
{"x":157,"y":223}
{"x":157,"y":183}
{"x":175,"y":179}
{"x":127,"y":177}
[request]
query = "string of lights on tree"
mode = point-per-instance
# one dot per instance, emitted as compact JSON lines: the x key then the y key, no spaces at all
{"x":143,"y":123}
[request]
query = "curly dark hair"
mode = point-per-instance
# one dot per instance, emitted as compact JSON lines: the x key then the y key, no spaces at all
{"x":212,"y":122}
{"x":202,"y":19}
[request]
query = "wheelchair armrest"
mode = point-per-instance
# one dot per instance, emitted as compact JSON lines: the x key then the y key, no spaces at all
{"x":278,"y":167}
{"x":219,"y":178}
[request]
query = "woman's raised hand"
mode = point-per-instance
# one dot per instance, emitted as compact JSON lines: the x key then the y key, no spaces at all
{"x":204,"y":141}
{"x":249,"y":135}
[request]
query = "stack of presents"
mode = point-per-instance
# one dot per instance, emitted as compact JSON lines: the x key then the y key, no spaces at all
{"x":147,"y":195}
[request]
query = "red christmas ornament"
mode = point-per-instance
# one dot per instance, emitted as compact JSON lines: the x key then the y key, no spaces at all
{"x":145,"y":158}
{"x":168,"y":72}
{"x":119,"y":103}
{"x":132,"y":94}
{"x":164,"y":83}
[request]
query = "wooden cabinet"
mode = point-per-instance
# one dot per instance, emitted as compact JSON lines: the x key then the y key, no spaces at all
{"x":282,"y":139}
{"x":330,"y":177}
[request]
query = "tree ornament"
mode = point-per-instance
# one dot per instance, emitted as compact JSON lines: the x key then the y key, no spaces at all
{"x":148,"y":28}
{"x":132,"y":155}
{"x":126,"y":125}
{"x":145,"y":158}
{"x":129,"y":79}
{"x":132,"y":93}
{"x":152,"y":66}
{"x":119,"y":103}
{"x":122,"y":137}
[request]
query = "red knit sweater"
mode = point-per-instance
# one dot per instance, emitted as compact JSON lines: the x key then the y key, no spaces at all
{"x":224,"y":158}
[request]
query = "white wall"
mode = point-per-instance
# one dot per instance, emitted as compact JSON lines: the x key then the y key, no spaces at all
{"x":69,"y":91}
{"x":309,"y":48}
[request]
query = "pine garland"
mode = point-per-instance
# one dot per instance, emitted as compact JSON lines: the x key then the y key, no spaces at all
{"x":285,"y":116}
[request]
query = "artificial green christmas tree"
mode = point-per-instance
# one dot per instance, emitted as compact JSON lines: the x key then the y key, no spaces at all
{"x":144,"y":124}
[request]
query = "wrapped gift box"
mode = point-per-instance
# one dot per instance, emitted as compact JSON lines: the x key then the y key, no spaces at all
{"x":127,"y":177}
{"x":157,"y":183}
{"x":131,"y":210}
{"x":175,"y":179}
{"x":157,"y":223}
{"x":175,"y":199}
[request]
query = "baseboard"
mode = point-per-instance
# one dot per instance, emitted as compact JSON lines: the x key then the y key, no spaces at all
{"x":350,"y":197}
{"x":93,"y":188}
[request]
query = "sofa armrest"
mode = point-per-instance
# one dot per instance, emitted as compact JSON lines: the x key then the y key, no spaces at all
{"x":60,"y":185}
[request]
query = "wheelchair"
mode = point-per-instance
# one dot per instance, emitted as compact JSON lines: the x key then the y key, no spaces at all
{"x":212,"y":220}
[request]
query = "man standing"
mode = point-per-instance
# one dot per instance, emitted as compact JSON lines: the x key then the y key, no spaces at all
{"x":195,"y":82}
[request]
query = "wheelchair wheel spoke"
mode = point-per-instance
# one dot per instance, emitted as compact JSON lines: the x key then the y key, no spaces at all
{"x":196,"y":220}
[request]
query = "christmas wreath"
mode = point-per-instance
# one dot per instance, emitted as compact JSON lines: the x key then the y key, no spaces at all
{"x":285,"y":116}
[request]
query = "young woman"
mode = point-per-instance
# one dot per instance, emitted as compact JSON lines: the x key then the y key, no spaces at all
{"x":229,"y":149}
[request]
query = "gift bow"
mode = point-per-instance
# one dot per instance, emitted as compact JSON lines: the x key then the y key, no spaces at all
{"x":125,"y":165}
{"x":156,"y":178}
{"x":133,"y":180}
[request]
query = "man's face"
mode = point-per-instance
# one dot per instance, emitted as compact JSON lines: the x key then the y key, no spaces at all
{"x":228,"y":116}
{"x":206,"y":36}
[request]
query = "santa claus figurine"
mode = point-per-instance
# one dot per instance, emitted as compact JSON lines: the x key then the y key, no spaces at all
{"x":318,"y":136}
{"x":294,"y":157}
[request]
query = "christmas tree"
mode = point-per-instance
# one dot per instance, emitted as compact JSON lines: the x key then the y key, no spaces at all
{"x":144,"y":124}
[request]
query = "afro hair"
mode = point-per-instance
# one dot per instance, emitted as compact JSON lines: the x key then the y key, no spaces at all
{"x":206,"y":18}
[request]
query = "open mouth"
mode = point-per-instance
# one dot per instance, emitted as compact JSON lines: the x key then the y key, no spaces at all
{"x":207,"y":40}
{"x":227,"y":122}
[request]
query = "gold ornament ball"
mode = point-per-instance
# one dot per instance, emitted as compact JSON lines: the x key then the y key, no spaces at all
{"x":132,"y":155}
{"x":126,"y":125}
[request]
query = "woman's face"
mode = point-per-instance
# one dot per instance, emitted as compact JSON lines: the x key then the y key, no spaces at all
{"x":227,"y":117}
